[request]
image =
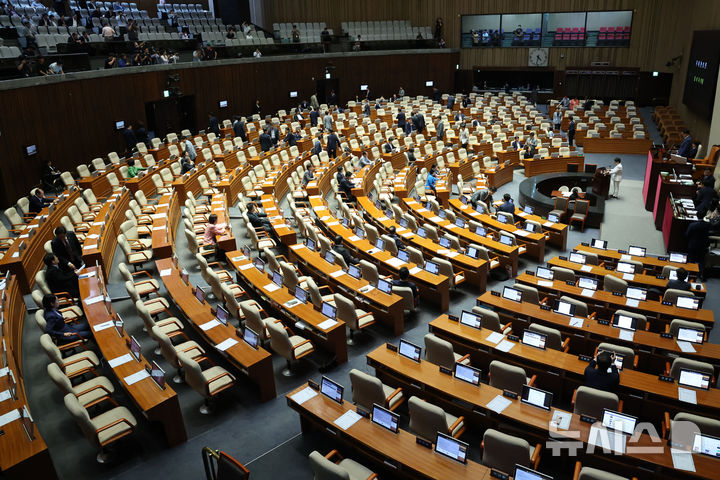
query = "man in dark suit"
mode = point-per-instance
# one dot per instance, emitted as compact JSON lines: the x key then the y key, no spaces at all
{"x":292,"y":138}
{"x":239,"y":128}
{"x":681,"y":282}
{"x":38,"y":201}
{"x":686,"y":145}
{"x":450,"y":102}
{"x":404,"y":274}
{"x":516,"y":144}
{"x":259,"y":220}
{"x":339,"y":248}
{"x":602,"y":373}
{"x":317,"y":146}
{"x":388,"y":147}
{"x":571,"y":132}
{"x":705,"y":196}
{"x":256,"y":108}
{"x":57,"y":279}
{"x":419,"y":121}
{"x":67,"y":249}
{"x":314,"y":117}
{"x":129,"y":137}
{"x":274,"y":134}
{"x":409,"y":127}
{"x":507,"y":206}
{"x":265,"y":141}
{"x":440,"y":129}
{"x":333,"y":142}
{"x":392,"y":233}
{"x":707,"y":175}
{"x":56,"y":326}
{"x":213,"y":124}
{"x":401,"y":119}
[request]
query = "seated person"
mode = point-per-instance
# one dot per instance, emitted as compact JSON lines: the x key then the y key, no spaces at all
{"x":404,"y":274}
{"x":392,"y":233}
{"x":338,"y":247}
{"x":56,"y":326}
{"x":59,"y":280}
{"x":132,"y":169}
{"x":186,"y":164}
{"x":364,"y":160}
{"x":346,"y":186}
{"x":681,"y":282}
{"x":602,"y":373}
{"x":259,"y":219}
{"x":482,"y":195}
{"x":507,"y":206}
{"x":308,"y":175}
{"x":38,"y":201}
{"x":431,"y":181}
{"x":212,"y":232}
{"x":707,"y":175}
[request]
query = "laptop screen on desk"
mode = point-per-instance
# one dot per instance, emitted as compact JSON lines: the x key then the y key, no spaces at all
{"x":301,"y":294}
{"x":409,"y":350}
{"x":618,"y":422}
{"x":472,"y":253}
{"x":404,"y":256}
{"x":636,"y":251}
{"x":467,"y":373}
{"x":222,"y":315}
{"x":384,"y":286}
{"x":564,"y":308}
{"x":530,"y":227}
{"x":534,"y":339}
{"x":277,"y":278}
{"x":251,"y":338}
{"x":460,"y":222}
{"x":707,"y":445}
{"x":380,"y":244}
{"x":588,"y":283}
{"x":385,"y":418}
{"x":431,"y":267}
{"x":199,"y":294}
{"x":444,"y":242}
{"x":331,"y":389}
{"x":577,"y":258}
{"x":545,"y":273}
{"x":691,"y":303}
{"x":403,"y":222}
{"x":690,"y":335}
{"x":420,"y":232}
{"x":678,"y":257}
{"x":636,"y":293}
{"x":471,"y":319}
{"x":311,"y":244}
{"x":536,"y":397}
{"x":505,"y":240}
{"x":553,"y":218}
{"x":328,"y":310}
{"x":354,"y":271}
{"x":451,"y":448}
{"x":623,"y":267}
{"x":359,"y":232}
{"x":259,"y":264}
{"x":329,"y":257}
{"x":528,"y":209}
{"x":524,"y":473}
{"x":512,"y":294}
{"x":623,"y":321}
{"x":601,"y":244}
{"x":481,"y":231}
{"x":692,"y":378}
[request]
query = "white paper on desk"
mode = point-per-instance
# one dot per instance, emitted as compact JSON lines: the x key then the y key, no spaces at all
{"x":631,"y":302}
{"x":332,"y":224}
{"x":160,"y":228}
{"x":436,"y":219}
{"x":395,"y":262}
{"x":4,"y":371}
{"x":586,"y":268}
{"x":337,"y":273}
{"x":93,"y":300}
{"x":166,"y":272}
{"x":607,"y":440}
{"x":686,"y":395}
{"x":695,"y":285}
{"x":495,"y":337}
{"x":354,"y":238}
{"x":90,"y":246}
{"x":548,"y":224}
{"x":271,"y":287}
{"x":97,"y":224}
{"x":11,"y":416}
{"x":6,"y":395}
{"x":586,"y":292}
{"x":577,"y":322}
{"x":275,"y":217}
{"x":239,"y":259}
{"x":407,"y":234}
{"x":303,"y":395}
{"x":245,"y":266}
{"x":682,"y":460}
{"x":329,"y":323}
{"x":686,"y":347}
{"x":16,"y":255}
{"x":505,"y":345}
{"x":102,"y":326}
{"x":463,"y":207}
{"x":382,"y":219}
{"x":415,"y":270}
{"x":121,"y":360}
{"x":522,"y":233}
{"x":443,"y":251}
{"x":93,"y":235}
{"x":225,"y":344}
{"x":625,"y":256}
{"x":629,"y":276}
{"x":422,"y":210}
{"x":211,"y":324}
{"x":451,"y":226}
{"x":347,"y":419}
{"x":158,"y":216}
{"x":627,"y":335}
{"x":561,"y":420}
{"x":453,"y":254}
{"x":297,"y":246}
{"x":545,"y":283}
{"x":136,"y":377}
{"x":24,"y":236}
{"x":498,"y":404}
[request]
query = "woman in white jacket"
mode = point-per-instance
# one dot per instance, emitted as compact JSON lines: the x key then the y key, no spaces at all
{"x":616,"y":177}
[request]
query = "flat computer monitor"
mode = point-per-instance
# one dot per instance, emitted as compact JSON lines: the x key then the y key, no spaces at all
{"x":199,"y":294}
{"x":404,"y":256}
{"x":691,"y":303}
{"x":512,"y":294}
{"x":384,"y":286}
{"x":310,"y":244}
{"x":330,"y":257}
{"x":624,"y":267}
{"x":692,"y":335}
{"x":120,"y":124}
{"x":636,"y":251}
{"x":354,"y":271}
{"x":429,"y":83}
{"x":536,"y":397}
{"x":385,"y":418}
{"x":577,"y":257}
{"x":564,"y":308}
{"x":332,"y":390}
{"x":135,"y":348}
{"x":363,"y":88}
{"x":618,"y":422}
{"x":359,"y":232}
{"x":546,"y":273}
{"x":472,"y":252}
{"x":300,"y":294}
{"x":451,"y":447}
{"x":380,"y":244}
{"x":444,"y":242}
{"x":409,"y":350}
{"x":636,"y":293}
{"x":506,"y":240}
{"x":460,"y":222}
{"x":442,"y":213}
{"x":251,"y":337}
{"x":222,"y":315}
{"x":432,"y":267}
{"x":587,"y":283}
{"x":706,"y":445}
{"x":597,"y":243}
{"x":694,"y":379}
{"x":529,"y":227}
{"x":553,"y":218}
{"x":328,"y":310}
{"x":534,"y":339}
{"x":480,"y":231}
{"x":466,"y":373}
{"x":672,"y":275}
{"x":420,"y":232}
{"x":293,"y":94}
{"x":676,"y":257}
{"x":471,"y":319}
{"x":222,"y":103}
{"x":157,"y":374}
{"x":259,"y":264}
{"x":479,"y":208}
{"x":502,"y":219}
{"x":524,"y":473}
{"x":528,"y":209}
{"x":624,"y":322}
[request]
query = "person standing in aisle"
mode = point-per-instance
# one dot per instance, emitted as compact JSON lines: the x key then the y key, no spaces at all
{"x":616,"y":177}
{"x":571,"y":132}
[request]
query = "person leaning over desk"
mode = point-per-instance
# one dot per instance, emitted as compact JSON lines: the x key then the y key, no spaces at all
{"x":602,"y":373}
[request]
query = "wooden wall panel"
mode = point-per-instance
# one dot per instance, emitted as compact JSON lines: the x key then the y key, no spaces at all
{"x":73,"y":121}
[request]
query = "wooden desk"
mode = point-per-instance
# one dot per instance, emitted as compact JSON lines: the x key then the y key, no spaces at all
{"x":231,"y":184}
{"x":255,"y":364}
{"x":675,"y":223}
{"x":500,"y":175}
{"x":26,"y":266}
{"x":650,"y":263}
{"x":226,"y":242}
{"x":99,"y":183}
{"x":145,"y":182}
{"x":635,"y":146}
{"x":165,"y":221}
{"x":332,"y":338}
{"x":20,"y":457}
{"x":156,"y":404}
{"x":556,"y":231}
{"x":653,"y":167}
{"x":385,"y":308}
{"x":553,"y":164}
{"x":461,"y":398}
{"x":275,"y":216}
{"x":665,"y":187}
{"x":644,"y":394}
{"x":398,"y":453}
{"x":101,"y":240}
{"x":435,"y":287}
{"x":475,"y":270}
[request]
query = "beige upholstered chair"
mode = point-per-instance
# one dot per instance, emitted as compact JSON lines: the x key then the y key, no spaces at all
{"x":684,"y":425}
{"x":563,"y":274}
{"x":155,"y":305}
{"x":502,"y":451}
{"x":628,"y":354}
{"x":291,"y":347}
{"x":491,"y":320}
{"x":581,"y":309}
{"x":341,"y":469}
{"x":209,"y":382}
{"x":367,"y":390}
{"x":508,"y":377}
{"x":676,"y":324}
{"x":611,"y":283}
{"x":74,"y":365}
{"x":143,"y":287}
{"x":426,"y":420}
{"x":673,"y":369}
{"x":88,"y":393}
{"x":446,"y":268}
{"x":136,"y":258}
{"x":671,"y":295}
{"x":588,"y":473}
{"x":256,"y":318}
{"x":591,"y":401}
{"x":356,"y":319}
{"x":440,"y":352}
{"x":554,"y":338}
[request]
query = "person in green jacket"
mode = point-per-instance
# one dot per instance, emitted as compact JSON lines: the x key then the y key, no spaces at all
{"x":132,"y":169}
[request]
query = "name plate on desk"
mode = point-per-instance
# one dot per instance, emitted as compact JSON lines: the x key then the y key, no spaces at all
{"x":587,"y":419}
{"x":495,"y":294}
{"x":509,"y":394}
{"x":666,"y":335}
{"x":563,"y":258}
{"x":665,"y":378}
{"x":423,"y":442}
{"x":446,"y":371}
{"x":453,"y":318}
{"x":498,"y":474}
{"x":585,"y":358}
{"x":391,"y":347}
{"x":546,"y":307}
{"x":604,"y":322}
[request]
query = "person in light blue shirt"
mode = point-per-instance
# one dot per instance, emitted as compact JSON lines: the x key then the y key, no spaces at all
{"x":190,"y":149}
{"x":431,"y":181}
{"x":364,"y":160}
